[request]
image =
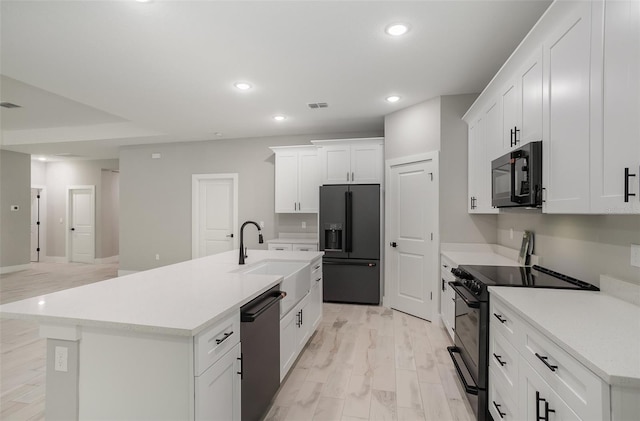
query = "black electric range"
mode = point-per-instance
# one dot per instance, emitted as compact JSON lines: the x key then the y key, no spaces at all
{"x":470,"y":354}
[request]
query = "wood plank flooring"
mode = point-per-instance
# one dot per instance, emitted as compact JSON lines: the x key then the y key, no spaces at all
{"x":363,"y":362}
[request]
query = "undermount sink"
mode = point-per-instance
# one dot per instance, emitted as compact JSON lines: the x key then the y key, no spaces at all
{"x":296,"y":282}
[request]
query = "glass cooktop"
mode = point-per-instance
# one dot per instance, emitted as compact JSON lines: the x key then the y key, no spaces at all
{"x":531,"y":277}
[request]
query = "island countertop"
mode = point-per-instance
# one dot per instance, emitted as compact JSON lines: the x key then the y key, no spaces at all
{"x":180,"y":299}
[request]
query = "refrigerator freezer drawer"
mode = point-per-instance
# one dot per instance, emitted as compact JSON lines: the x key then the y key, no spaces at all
{"x":351,"y":281}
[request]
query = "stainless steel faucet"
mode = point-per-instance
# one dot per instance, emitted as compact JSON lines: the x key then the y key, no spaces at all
{"x":243,"y":251}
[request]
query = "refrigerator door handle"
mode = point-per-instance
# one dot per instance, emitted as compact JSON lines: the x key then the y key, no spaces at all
{"x":348,"y":197}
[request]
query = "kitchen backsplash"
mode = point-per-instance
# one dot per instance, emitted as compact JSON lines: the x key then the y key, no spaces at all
{"x":582,"y":246}
{"x":292,"y":222}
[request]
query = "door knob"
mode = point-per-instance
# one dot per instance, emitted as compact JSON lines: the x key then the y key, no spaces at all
{"x":73,"y":229}
{"x":393,"y":244}
{"x":230,"y":235}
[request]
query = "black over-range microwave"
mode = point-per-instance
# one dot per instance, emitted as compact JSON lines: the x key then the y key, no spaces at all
{"x":516,"y":178}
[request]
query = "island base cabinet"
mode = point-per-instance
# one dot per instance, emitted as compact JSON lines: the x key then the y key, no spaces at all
{"x":218,"y":389}
{"x":295,"y":329}
{"x":538,"y":401}
{"x":502,"y":405}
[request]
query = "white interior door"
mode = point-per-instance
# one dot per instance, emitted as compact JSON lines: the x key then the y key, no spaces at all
{"x":82,"y":224}
{"x":412,"y":240}
{"x":35,"y":228}
{"x":215,"y":216}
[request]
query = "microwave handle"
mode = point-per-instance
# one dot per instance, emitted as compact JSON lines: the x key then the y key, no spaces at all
{"x":514,"y":157}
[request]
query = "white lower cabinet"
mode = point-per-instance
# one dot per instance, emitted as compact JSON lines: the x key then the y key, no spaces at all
{"x":294,"y":334}
{"x":447,"y":296}
{"x":315,"y":296}
{"x":217,"y":390}
{"x":532,"y":377}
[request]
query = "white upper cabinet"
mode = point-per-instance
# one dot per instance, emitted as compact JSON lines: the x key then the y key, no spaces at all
{"x":351,"y":161}
{"x":615,"y":146}
{"x":566,"y":112}
{"x":484,"y":140}
{"x":521,"y":100}
{"x":296,"y":179}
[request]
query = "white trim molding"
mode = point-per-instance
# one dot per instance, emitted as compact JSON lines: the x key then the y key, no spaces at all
{"x":105,"y":260}
{"x":122,"y":272}
{"x":16,"y":268}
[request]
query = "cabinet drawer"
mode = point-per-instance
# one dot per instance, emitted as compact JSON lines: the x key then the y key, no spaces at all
{"x":502,"y":401}
{"x":305,"y":247}
{"x":280,"y":247}
{"x":214,"y":342}
{"x":581,"y":389}
{"x":506,"y":322}
{"x":503,"y":358}
{"x":316,"y":269}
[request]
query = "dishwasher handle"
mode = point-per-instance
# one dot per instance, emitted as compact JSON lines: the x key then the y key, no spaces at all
{"x":249,"y":316}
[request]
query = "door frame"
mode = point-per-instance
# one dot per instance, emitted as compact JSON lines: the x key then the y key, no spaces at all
{"x":195,"y":202}
{"x":43,"y":219}
{"x":70,"y":189}
{"x":388,"y":299}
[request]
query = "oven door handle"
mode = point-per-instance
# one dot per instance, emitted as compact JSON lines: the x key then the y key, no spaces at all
{"x":470,"y":389}
{"x":471,"y":303}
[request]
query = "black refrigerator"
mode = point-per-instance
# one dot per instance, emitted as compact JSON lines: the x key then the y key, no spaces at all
{"x":350,"y":239}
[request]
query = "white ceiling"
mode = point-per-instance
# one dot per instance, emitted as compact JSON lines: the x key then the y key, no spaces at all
{"x":92,"y":76}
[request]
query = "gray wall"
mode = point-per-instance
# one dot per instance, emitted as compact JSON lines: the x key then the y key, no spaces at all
{"x":155,"y":194}
{"x":436,"y":125}
{"x":15,"y":227}
{"x":60,"y":175}
{"x":110,"y":210}
{"x":582,"y":246}
{"x":413,"y":130}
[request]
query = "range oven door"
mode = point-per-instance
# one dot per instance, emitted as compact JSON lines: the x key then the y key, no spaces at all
{"x":470,"y":340}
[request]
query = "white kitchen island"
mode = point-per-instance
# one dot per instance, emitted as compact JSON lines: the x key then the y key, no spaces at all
{"x":137,"y":346}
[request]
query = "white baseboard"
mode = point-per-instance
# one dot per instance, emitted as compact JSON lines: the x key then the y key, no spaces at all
{"x":110,"y":259}
{"x":126,"y":272}
{"x":54,"y":259}
{"x":16,"y":268}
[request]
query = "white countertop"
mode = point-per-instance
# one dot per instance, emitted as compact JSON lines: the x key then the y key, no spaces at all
{"x":180,"y":299}
{"x":600,"y":331}
{"x":481,"y":254}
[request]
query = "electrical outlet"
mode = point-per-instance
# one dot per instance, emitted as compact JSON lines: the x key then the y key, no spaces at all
{"x":157,"y":257}
{"x":635,"y":255}
{"x":61,"y":358}
{"x":304,"y":224}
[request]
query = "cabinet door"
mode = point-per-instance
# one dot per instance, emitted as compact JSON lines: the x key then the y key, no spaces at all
{"x":286,"y":182}
{"x":308,"y":181}
{"x":218,"y":389}
{"x":530,"y":100}
{"x":537,"y":398}
{"x":618,"y":145}
{"x":335,"y":161}
{"x":567,"y":78}
{"x":366,"y":164}
{"x":510,"y":100}
{"x":304,"y":324}
{"x":280,"y":246}
{"x":475,"y":131}
{"x":305,"y":247}
{"x":315,"y":304}
{"x":288,"y":327}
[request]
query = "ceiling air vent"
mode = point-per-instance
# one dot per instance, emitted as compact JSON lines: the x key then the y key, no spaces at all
{"x":315,"y":105}
{"x":9,"y":105}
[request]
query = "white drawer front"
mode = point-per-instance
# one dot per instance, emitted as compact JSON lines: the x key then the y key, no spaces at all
{"x":279,"y":247}
{"x":581,"y":389}
{"x":305,"y":247}
{"x":502,"y":401}
{"x":316,"y":269}
{"x":506,"y":322}
{"x":503,"y":359}
{"x":214,"y":342}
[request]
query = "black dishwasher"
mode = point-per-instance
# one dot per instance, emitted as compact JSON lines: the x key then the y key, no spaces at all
{"x":260,"y":338}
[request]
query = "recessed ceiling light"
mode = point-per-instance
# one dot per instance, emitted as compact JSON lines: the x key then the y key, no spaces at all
{"x":42,"y":158}
{"x":143,"y":1}
{"x":397,"y":29}
{"x":243,"y":86}
{"x":393,"y":98}
{"x":279,"y":117}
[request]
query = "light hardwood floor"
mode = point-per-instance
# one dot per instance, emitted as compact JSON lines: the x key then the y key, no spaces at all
{"x":363,"y":362}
